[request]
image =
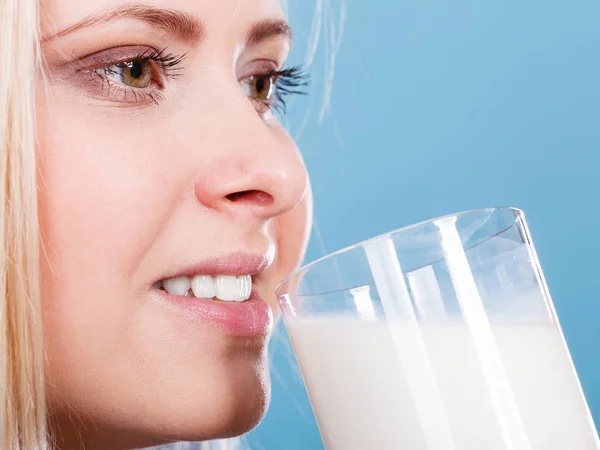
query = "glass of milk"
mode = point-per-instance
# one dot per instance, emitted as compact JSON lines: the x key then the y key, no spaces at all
{"x":438,"y":336}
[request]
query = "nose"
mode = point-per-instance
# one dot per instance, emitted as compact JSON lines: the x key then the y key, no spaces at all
{"x":254,"y":171}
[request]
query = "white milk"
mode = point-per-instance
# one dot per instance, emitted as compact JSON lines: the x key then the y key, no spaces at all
{"x":360,"y":393}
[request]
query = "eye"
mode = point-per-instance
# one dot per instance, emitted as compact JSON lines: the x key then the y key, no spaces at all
{"x":268,"y":90}
{"x":132,"y":75}
{"x":260,"y":87}
{"x":136,"y":73}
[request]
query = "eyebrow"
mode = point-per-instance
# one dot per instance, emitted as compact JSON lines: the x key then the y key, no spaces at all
{"x":267,"y":29}
{"x":183,"y":25}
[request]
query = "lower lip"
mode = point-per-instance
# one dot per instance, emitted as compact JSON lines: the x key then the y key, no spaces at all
{"x":252,"y":318}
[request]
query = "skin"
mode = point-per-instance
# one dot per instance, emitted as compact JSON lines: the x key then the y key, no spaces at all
{"x":129,"y":191}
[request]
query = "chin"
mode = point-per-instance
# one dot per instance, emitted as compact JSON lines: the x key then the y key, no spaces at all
{"x":243,"y":407}
{"x":231,"y":404}
{"x":223,"y":397}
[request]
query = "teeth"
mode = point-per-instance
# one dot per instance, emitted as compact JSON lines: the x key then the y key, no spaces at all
{"x":227,"y":288}
{"x":177,"y":286}
{"x":203,"y":286}
{"x":244,"y":287}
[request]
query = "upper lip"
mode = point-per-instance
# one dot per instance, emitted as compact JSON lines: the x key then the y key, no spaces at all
{"x":238,"y":263}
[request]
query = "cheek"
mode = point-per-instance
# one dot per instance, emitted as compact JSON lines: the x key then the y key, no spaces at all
{"x":92,"y":205}
{"x":99,"y":192}
{"x":97,"y":210}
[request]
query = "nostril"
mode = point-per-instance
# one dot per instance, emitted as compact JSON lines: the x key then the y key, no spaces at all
{"x":252,"y":196}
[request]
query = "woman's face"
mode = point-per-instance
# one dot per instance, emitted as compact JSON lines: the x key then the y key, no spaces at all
{"x":164,"y":176}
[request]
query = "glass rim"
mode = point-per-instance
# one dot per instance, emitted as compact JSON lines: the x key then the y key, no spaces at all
{"x":518,"y":214}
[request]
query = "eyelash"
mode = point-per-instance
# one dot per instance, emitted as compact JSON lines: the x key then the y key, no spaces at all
{"x":289,"y":81}
{"x":168,"y":64}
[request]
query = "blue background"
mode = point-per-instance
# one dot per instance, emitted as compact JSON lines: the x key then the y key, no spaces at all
{"x":443,"y":106}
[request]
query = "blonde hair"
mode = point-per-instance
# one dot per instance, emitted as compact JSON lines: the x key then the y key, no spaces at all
{"x":22,"y":408}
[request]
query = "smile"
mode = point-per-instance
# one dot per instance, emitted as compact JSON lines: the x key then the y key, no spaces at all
{"x":227,"y":288}
{"x":221,"y":292}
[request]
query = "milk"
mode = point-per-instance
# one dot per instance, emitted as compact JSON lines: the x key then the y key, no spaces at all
{"x":366,"y":397}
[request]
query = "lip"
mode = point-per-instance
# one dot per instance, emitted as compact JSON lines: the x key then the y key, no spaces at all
{"x":251,"y":319}
{"x":231,"y":264}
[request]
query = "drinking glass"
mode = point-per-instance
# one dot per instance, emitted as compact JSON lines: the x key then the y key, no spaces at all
{"x":437,"y":336}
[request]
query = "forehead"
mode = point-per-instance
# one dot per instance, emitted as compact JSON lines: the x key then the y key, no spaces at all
{"x":217,"y":15}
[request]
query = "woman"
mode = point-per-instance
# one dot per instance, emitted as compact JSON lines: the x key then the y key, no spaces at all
{"x":170,"y":203}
